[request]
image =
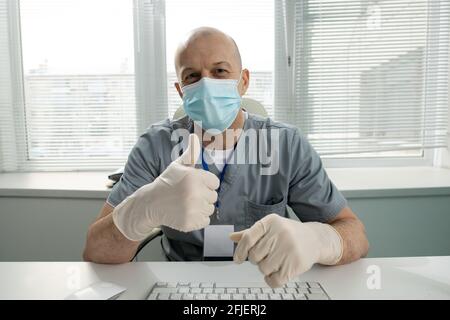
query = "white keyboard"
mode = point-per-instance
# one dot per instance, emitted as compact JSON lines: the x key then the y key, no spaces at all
{"x":236,"y":291}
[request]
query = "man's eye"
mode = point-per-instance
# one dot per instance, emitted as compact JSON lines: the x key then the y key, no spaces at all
{"x":190,"y":78}
{"x":221,"y":71}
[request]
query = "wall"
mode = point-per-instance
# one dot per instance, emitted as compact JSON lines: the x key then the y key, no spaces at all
{"x":54,"y":229}
{"x":406,"y":226}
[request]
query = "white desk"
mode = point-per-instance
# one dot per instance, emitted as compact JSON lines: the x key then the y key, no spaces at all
{"x":401,"y":278}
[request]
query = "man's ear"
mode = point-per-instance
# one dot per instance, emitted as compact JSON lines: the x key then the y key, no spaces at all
{"x":245,"y":81}
{"x":177,"y":85}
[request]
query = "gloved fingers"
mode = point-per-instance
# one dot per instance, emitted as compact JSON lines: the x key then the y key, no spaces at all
{"x":271,"y":263}
{"x":203,"y":222}
{"x":248,"y":240}
{"x":192,"y":153}
{"x":210,"y":179}
{"x":260,"y":250}
{"x":236,"y":236}
{"x":276,"y":279}
{"x":207,"y":209}
{"x":200,"y":223}
{"x":209,"y":195}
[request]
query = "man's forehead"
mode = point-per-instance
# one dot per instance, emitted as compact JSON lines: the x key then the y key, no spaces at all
{"x":207,"y":49}
{"x":203,"y":53}
{"x":197,"y":59}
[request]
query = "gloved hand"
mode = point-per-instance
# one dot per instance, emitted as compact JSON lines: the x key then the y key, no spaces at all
{"x":284,"y":248}
{"x":182,"y":198}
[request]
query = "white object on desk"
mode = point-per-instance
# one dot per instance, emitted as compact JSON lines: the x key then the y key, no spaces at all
{"x":97,"y":291}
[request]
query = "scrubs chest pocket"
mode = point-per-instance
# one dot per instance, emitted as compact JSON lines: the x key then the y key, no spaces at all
{"x":256,"y":211}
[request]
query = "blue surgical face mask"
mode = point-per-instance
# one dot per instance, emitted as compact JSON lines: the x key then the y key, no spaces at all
{"x":214,"y":102}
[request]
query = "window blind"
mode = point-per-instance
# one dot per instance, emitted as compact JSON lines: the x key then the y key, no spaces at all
{"x":78,"y":103}
{"x":364,"y":76}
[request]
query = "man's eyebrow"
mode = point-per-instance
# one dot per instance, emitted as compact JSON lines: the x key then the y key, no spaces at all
{"x":184,"y":70}
{"x":222,"y":62}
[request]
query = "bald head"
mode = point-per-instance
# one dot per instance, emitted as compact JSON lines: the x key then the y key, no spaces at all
{"x":206,"y":50}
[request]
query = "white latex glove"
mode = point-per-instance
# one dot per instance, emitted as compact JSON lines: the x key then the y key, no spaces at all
{"x":182,"y":198}
{"x":284,"y":248}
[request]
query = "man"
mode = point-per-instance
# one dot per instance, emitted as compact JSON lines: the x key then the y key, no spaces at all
{"x":183,"y":198}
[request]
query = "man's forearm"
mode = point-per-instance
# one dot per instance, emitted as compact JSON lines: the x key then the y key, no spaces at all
{"x":355,"y":243}
{"x":106,"y":244}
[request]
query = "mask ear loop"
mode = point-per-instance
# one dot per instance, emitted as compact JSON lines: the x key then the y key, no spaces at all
{"x":237,"y":85}
{"x":239,"y":81}
{"x":240,"y":78}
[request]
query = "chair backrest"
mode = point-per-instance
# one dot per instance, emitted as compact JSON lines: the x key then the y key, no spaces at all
{"x":249,"y":104}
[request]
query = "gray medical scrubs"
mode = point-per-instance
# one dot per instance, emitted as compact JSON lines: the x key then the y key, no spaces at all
{"x":245,"y":194}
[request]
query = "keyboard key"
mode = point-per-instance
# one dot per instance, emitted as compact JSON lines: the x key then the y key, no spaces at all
{"x":219,"y":290}
{"x":225,"y":296}
{"x":231,"y":290}
{"x":175,"y":296}
{"x":200,"y":296}
{"x":317,"y":296}
{"x":287,"y":296}
{"x":208,"y":290}
{"x":267,"y":290}
{"x":255,"y":290}
{"x":240,"y":284}
{"x":262,"y":296}
{"x":275,"y":296}
{"x":188,"y":296}
{"x":242,"y":290}
{"x":302,"y":290}
{"x":161,"y":284}
{"x":314,"y":285}
{"x":315,"y":290}
{"x":165,"y":290}
{"x":183,"y":284}
{"x":163,"y":296}
{"x":206,"y":285}
{"x":171,"y":284}
{"x":278,"y":290}
{"x":299,"y":296}
{"x":152,"y":296}
{"x":302,"y":285}
{"x":184,"y":290}
{"x":290,"y":285}
{"x":212,"y":296}
{"x":196,"y":290}
{"x":250,"y":296}
{"x":194,"y":284}
{"x":290,"y":290}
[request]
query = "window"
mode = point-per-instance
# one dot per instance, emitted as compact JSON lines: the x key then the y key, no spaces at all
{"x":78,"y":75}
{"x":366,"y":79}
{"x":70,"y":96}
{"x":81,"y":79}
{"x":250,"y":23}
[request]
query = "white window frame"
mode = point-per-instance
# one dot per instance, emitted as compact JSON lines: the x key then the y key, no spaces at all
{"x":427,"y":159}
{"x":18,"y":94}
